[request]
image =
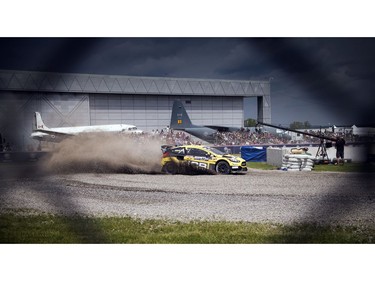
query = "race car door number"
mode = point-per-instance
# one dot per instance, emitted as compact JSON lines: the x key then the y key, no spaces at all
{"x":203,"y":165}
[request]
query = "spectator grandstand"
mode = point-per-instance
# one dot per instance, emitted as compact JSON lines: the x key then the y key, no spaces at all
{"x":248,"y":137}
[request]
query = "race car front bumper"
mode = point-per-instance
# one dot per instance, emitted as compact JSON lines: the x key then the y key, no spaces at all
{"x":239,"y":169}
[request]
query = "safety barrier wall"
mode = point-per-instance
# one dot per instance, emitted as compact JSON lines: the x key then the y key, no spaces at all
{"x":354,"y":152}
{"x":275,"y":155}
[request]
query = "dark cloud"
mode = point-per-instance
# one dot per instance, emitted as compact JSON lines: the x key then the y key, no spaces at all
{"x":320,"y":80}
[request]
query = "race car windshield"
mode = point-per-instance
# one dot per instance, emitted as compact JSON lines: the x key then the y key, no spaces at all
{"x":215,"y":150}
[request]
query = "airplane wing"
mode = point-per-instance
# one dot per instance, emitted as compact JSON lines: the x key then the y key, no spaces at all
{"x":223,"y":128}
{"x":53,"y":133}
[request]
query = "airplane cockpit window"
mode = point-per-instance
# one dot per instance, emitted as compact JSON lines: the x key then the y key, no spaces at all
{"x":129,"y":129}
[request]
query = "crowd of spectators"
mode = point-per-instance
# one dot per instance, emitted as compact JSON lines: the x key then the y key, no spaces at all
{"x":247,"y":137}
{"x":347,"y":135}
{"x":169,"y":136}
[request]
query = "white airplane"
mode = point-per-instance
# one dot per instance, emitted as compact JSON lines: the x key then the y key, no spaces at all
{"x":43,"y":133}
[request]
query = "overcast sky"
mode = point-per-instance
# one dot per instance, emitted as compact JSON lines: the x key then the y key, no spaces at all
{"x":320,"y":80}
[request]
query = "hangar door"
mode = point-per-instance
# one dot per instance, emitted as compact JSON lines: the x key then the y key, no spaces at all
{"x":145,"y":112}
{"x":154,"y":112}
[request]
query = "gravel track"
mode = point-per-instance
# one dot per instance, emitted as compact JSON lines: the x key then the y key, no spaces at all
{"x":258,"y":196}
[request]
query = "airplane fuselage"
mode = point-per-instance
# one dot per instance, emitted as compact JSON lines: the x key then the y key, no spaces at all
{"x":94,"y":129}
{"x":44,"y":133}
{"x":58,"y":134}
{"x":203,"y":133}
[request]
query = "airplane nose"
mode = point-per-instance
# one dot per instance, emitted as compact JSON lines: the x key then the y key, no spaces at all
{"x":35,"y":136}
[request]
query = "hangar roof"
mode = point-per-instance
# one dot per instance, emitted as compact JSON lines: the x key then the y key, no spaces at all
{"x":115,"y":84}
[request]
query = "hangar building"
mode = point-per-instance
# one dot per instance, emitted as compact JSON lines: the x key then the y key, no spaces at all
{"x":70,"y":99}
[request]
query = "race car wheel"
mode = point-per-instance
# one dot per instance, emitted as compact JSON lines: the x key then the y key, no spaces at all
{"x":170,"y":168}
{"x":222,"y":167}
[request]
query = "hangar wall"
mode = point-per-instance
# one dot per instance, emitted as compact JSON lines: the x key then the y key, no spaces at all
{"x":65,"y":99}
{"x":151,"y":112}
{"x":146,"y":112}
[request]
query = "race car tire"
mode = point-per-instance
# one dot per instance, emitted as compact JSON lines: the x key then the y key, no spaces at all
{"x":222,"y":167}
{"x":170,"y":168}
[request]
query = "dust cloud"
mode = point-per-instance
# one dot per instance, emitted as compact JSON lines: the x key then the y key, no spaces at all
{"x":105,"y":153}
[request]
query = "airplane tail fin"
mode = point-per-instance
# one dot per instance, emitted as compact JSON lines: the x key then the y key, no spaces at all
{"x":39,"y":122}
{"x":179,"y":118}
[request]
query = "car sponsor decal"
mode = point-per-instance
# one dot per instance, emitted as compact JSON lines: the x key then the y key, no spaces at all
{"x":199,"y":164}
{"x":200,"y":158}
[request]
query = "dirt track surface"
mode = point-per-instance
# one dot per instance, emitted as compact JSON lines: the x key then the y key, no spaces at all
{"x":259,"y":196}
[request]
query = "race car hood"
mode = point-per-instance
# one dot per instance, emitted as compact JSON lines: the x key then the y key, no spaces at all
{"x":230,"y":156}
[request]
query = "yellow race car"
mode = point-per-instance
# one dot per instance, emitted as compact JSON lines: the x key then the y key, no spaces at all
{"x":179,"y":159}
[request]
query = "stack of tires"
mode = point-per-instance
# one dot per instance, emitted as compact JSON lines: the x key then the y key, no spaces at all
{"x":297,"y":162}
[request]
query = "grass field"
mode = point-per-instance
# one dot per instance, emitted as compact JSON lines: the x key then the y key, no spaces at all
{"x":260,"y":166}
{"x":44,"y":228}
{"x":347,"y":167}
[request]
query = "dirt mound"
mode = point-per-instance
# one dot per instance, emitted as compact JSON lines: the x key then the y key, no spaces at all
{"x":105,"y":153}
